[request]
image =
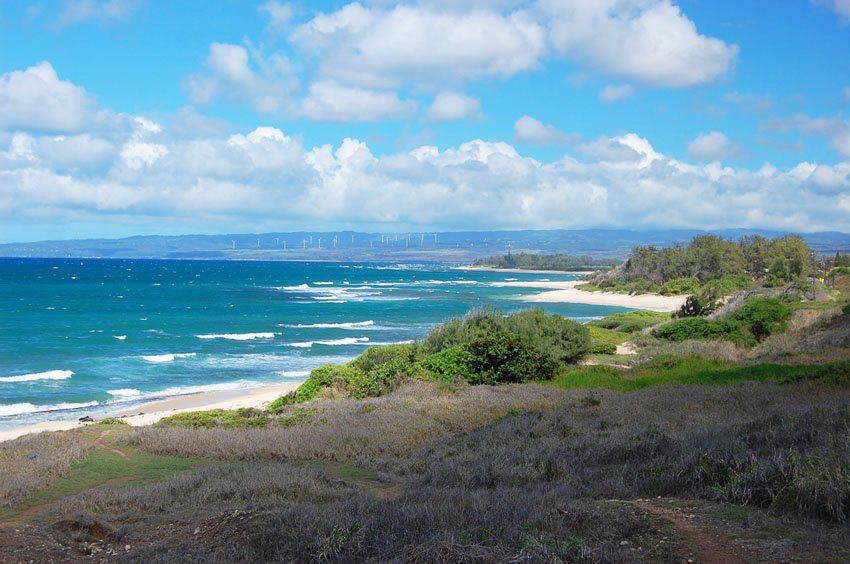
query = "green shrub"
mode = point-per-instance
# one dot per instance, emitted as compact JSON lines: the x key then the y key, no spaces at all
{"x":112,"y":421}
{"x":243,"y":417}
{"x":555,"y":336}
{"x":503,"y":358}
{"x":763,"y":316}
{"x":698,"y":328}
{"x":449,"y":364}
{"x":704,"y":303}
{"x":680,"y":286}
{"x":604,"y":348}
{"x":630,"y":321}
{"x":728,"y":284}
{"x":455,"y":332}
{"x":376,"y":357}
{"x":641,"y":285}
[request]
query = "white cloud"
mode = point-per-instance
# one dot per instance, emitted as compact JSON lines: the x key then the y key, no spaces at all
{"x":713,"y":146}
{"x":37,"y":100}
{"x":841,"y":7}
{"x":534,"y":132}
{"x":79,"y":11}
{"x":615,"y":93}
{"x":331,"y":101}
{"x":835,"y":129}
{"x":266,"y":176}
{"x":650,"y":41}
{"x":448,"y":106}
{"x":279,"y":14}
{"x":749,"y":102}
{"x":231,"y":75}
{"x":385,"y":48}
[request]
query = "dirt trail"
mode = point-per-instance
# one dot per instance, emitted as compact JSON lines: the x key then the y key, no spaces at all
{"x":101,"y":442}
{"x":28,"y":514}
{"x":710,"y":546}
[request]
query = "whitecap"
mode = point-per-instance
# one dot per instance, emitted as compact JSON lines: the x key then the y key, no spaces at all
{"x":124,"y":392}
{"x":239,"y":336}
{"x":49,"y":375}
{"x":351,"y":325}
{"x":120,"y":337}
{"x":323,"y":283}
{"x":294,"y":373}
{"x":22,"y":408}
{"x":159,"y":358}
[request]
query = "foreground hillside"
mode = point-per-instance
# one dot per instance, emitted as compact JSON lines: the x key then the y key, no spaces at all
{"x":719,"y":440}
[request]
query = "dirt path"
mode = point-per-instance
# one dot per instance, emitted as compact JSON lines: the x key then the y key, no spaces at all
{"x":30,"y":513}
{"x":101,"y":442}
{"x":709,"y":545}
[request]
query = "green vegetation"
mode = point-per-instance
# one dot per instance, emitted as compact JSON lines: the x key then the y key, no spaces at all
{"x":630,"y":321}
{"x":531,"y":261}
{"x":749,"y":325}
{"x":485,"y":347}
{"x":709,"y":263}
{"x":243,"y":417}
{"x":111,"y":421}
{"x":673,"y":370}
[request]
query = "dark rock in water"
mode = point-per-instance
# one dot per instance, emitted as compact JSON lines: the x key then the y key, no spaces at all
{"x":86,"y":419}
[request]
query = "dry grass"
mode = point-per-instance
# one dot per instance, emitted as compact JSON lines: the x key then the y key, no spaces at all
{"x":33,"y":461}
{"x":348,"y":430}
{"x":531,"y":486}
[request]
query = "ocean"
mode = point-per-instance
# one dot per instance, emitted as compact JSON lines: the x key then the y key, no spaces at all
{"x":93,"y":336}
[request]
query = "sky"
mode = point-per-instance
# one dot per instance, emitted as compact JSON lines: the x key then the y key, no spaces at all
{"x":126,"y":117}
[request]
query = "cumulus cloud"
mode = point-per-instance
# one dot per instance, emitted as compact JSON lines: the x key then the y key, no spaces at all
{"x":713,"y":146}
{"x":650,"y":41}
{"x":267,"y":176}
{"x":449,"y":106}
{"x":750,"y":102}
{"x":841,"y":7}
{"x":613,"y":93}
{"x":235,"y":73}
{"x":331,"y":101}
{"x":36,"y":99}
{"x":79,"y":11}
{"x":534,"y":132}
{"x":279,"y":14}
{"x":835,"y":129}
{"x":384,"y":48}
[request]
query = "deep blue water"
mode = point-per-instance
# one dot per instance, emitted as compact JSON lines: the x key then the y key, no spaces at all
{"x":87,"y":336}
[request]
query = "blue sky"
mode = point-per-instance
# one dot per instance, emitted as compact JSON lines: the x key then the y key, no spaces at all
{"x":121,"y":117}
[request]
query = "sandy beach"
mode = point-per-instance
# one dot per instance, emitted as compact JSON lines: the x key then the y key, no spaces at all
{"x":522,"y":270}
{"x":152,"y":412}
{"x":568,"y":293}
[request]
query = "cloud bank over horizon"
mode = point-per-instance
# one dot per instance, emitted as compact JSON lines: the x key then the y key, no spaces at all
{"x":471,"y":153}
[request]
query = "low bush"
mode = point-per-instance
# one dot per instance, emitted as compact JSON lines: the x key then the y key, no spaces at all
{"x":112,"y":421}
{"x":504,"y":358}
{"x":603,"y":348}
{"x":763,"y":317}
{"x":449,"y":365}
{"x":680,"y":286}
{"x":244,"y":417}
{"x":699,"y":328}
{"x":630,"y":321}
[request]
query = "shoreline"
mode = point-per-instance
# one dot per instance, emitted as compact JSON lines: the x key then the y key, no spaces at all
{"x":523,"y":270}
{"x":152,"y":412}
{"x":566,"y":292}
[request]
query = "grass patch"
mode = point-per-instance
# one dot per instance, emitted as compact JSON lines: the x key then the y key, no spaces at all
{"x":670,"y":371}
{"x":105,"y":467}
{"x":243,"y":417}
{"x":630,"y":321}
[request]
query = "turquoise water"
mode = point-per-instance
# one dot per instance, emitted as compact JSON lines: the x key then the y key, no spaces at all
{"x":89,"y":337}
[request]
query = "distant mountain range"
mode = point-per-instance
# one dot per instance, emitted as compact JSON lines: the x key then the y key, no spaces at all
{"x":458,"y":247}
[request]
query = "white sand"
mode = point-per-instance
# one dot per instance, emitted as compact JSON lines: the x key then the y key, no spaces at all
{"x":568,"y":293}
{"x":152,"y":412}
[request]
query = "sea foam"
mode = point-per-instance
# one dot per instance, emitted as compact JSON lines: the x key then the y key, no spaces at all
{"x":22,"y":408}
{"x":239,"y":336}
{"x":49,"y":375}
{"x":352,"y":325}
{"x":159,"y":358}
